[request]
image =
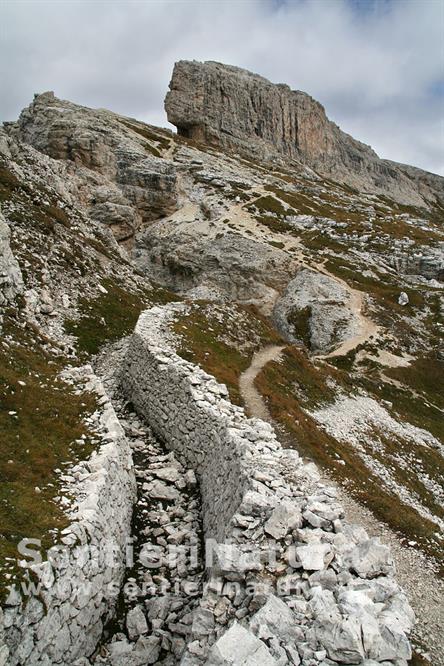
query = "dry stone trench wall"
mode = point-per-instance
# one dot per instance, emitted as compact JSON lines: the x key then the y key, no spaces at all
{"x":330,"y":595}
{"x":77,"y":595}
{"x":190,"y":411}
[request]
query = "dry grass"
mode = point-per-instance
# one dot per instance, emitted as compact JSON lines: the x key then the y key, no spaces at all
{"x":294,"y":385}
{"x":112,"y":315}
{"x":40,"y":419}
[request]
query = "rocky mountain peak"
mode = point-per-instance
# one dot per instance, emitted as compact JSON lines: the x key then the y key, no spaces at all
{"x":156,"y":290}
{"x":229,"y":107}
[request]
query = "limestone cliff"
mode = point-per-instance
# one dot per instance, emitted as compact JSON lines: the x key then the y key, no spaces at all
{"x":230,"y":107}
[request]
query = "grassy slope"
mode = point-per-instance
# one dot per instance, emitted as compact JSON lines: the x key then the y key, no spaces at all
{"x":40,"y":419}
{"x":222,"y":349}
{"x":290,"y":388}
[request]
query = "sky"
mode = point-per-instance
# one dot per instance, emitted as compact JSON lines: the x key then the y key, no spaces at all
{"x":376,"y":65}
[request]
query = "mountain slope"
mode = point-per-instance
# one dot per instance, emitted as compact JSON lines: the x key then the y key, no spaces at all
{"x":107,"y":215}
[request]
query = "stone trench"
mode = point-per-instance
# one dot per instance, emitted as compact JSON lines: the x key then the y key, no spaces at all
{"x":156,"y":605}
{"x":290,"y":581}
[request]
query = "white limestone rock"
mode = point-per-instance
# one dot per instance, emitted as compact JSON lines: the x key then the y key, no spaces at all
{"x":232,"y":563}
{"x":370,"y":559}
{"x":314,"y":556}
{"x":403,"y":298}
{"x":11,"y":280}
{"x":327,"y":307}
{"x":239,"y":647}
{"x":136,"y":623}
{"x":162,"y":491}
{"x":285,"y":517}
{"x":342,"y":639}
{"x":275,"y":618}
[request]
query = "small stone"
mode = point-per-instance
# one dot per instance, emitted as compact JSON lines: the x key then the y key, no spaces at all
{"x":136,"y":623}
{"x":403,"y":298}
{"x":313,"y":556}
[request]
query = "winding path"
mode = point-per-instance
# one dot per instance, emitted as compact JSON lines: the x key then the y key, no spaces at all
{"x":254,"y":402}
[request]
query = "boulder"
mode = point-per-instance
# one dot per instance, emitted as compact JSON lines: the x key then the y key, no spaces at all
{"x":370,"y":559}
{"x":314,"y":556}
{"x":316,"y":310}
{"x":162,"y":491}
{"x":342,"y":640}
{"x":275,"y":618}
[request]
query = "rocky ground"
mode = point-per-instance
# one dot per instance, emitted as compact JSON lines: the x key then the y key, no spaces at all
{"x":156,"y":603}
{"x":103,"y":216}
{"x":416,"y":573}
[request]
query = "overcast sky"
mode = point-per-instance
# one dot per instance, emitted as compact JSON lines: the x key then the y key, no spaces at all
{"x":376,"y":65}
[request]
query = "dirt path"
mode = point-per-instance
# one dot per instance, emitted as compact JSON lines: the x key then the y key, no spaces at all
{"x":356,"y":304}
{"x":254,"y":402}
{"x":414,"y":571}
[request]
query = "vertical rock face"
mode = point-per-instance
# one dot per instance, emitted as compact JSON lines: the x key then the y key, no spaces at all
{"x":221,"y":104}
{"x":11,"y":281}
{"x":232,"y":108}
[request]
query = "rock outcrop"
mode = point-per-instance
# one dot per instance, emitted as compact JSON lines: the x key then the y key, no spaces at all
{"x":125,"y":182}
{"x":315,"y":310}
{"x":237,"y":267}
{"x":230,"y":107}
{"x":11,"y":281}
{"x":430,"y":265}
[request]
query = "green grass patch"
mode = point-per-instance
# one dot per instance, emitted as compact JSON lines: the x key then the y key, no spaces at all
{"x":40,"y":419}
{"x":272,"y":223}
{"x":300,"y":324}
{"x":43,"y":218}
{"x":278,"y":244}
{"x":406,"y":405}
{"x":424,"y":375}
{"x":9,"y":183}
{"x":269,"y":204}
{"x":112,"y":315}
{"x":323,"y":205}
{"x":147,"y":133}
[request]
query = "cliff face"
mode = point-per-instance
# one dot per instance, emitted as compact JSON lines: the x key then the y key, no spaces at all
{"x":230,"y":107}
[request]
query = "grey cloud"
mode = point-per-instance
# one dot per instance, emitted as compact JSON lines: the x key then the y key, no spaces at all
{"x":373,"y":70}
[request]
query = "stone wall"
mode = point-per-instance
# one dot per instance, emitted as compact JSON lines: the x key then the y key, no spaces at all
{"x":311,"y":587}
{"x":77,"y":588}
{"x":191,"y":412}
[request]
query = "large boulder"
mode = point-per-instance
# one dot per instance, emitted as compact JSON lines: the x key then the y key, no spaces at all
{"x":316,"y":310}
